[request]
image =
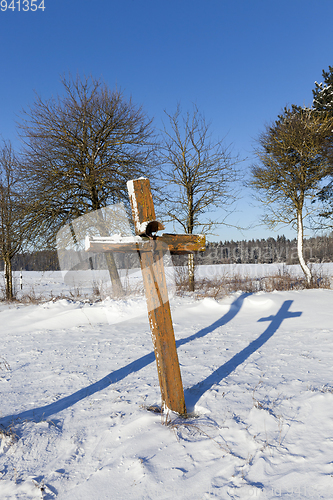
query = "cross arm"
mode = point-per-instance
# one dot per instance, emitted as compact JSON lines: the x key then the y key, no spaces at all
{"x":183,"y":243}
{"x":177,"y":244}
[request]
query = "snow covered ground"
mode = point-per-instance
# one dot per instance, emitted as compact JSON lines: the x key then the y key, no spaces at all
{"x":76,"y":379}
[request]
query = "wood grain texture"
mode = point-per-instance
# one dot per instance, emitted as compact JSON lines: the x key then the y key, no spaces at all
{"x":159,"y":312}
{"x":175,"y":243}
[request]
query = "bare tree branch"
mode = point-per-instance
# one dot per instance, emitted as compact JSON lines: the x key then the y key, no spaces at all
{"x":80,"y":150}
{"x":15,"y":230}
{"x":198,"y":174}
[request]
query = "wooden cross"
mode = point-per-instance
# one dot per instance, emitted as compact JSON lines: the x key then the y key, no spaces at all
{"x":150,"y":249}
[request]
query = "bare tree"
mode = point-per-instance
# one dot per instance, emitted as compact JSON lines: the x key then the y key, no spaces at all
{"x":80,"y":150}
{"x":198,"y":174}
{"x":291,"y":166}
{"x":14,"y":230}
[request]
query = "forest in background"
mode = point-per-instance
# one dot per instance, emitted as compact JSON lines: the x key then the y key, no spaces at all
{"x":263,"y":251}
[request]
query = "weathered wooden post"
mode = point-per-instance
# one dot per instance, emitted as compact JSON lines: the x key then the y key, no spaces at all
{"x":150,"y":249}
{"x":157,"y":300}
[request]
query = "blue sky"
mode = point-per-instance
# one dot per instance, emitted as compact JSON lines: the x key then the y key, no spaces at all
{"x":239,"y":61}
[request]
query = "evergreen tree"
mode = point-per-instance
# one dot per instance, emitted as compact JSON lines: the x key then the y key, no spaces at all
{"x":323,"y":103}
{"x":323,"y":93}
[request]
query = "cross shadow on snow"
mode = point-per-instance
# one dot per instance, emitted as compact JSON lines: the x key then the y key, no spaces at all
{"x":233,"y":310}
{"x":45,"y":412}
{"x":194,"y":393}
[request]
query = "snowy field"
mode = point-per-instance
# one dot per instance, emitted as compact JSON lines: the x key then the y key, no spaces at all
{"x":76,"y":379}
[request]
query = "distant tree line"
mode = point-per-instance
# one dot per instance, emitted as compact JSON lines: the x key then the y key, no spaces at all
{"x":44,"y":260}
{"x":263,"y":251}
{"x":267,"y":251}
